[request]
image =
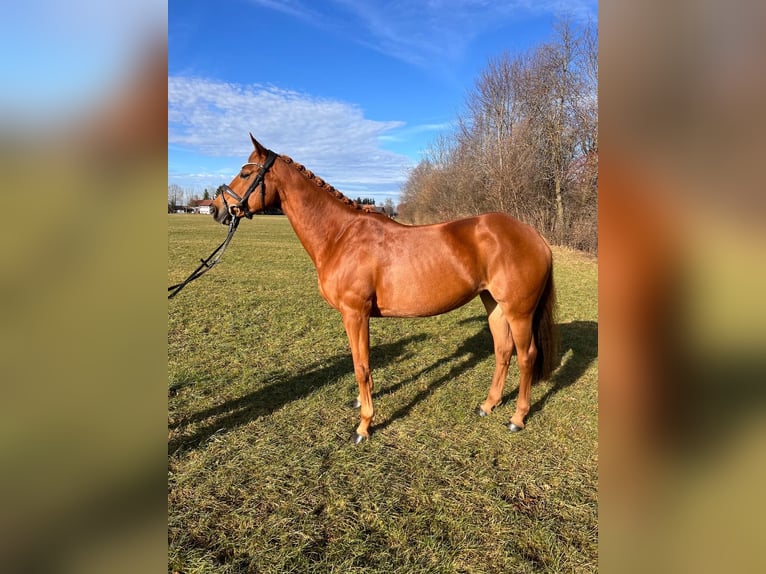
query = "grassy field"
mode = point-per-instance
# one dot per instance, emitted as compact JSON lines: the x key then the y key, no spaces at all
{"x":262,"y":476}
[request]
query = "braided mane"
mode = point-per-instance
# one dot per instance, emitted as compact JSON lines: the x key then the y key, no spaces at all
{"x":324,"y":185}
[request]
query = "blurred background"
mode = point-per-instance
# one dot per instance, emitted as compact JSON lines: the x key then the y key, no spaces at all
{"x":83,"y":124}
{"x":682,"y":280}
{"x":682,"y":334}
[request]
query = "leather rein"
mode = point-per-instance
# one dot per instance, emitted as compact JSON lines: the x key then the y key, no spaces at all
{"x":207,"y":264}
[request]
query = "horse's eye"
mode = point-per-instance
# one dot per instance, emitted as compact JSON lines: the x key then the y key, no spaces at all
{"x":244,"y":175}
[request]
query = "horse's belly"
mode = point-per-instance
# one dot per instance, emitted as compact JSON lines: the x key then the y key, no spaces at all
{"x":421,"y":297}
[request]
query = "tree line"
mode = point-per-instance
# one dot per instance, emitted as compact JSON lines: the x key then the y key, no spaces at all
{"x":526,"y":144}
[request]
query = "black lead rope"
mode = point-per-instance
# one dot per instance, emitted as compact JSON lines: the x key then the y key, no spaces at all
{"x":213,"y":259}
{"x":207,"y":264}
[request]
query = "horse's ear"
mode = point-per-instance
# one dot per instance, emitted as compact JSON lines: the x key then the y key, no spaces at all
{"x":259,"y":148}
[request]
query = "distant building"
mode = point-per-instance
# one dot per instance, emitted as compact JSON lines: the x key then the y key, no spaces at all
{"x":202,"y":206}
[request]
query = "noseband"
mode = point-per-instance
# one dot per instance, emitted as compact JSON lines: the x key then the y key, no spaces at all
{"x":242,"y":201}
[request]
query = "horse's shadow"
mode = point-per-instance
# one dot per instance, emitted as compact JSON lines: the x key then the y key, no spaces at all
{"x":269,"y":397}
{"x":580,"y":337}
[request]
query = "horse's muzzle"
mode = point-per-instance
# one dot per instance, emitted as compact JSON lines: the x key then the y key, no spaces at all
{"x":220,"y":215}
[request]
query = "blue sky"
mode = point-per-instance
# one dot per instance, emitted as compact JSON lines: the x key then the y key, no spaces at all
{"x":355,"y":90}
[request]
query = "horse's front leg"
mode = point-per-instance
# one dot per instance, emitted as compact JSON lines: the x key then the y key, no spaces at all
{"x":357,"y":326}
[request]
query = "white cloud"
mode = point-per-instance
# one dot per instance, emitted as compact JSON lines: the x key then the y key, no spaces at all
{"x":332,"y":138}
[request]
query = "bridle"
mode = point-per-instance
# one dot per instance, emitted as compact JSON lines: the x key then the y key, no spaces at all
{"x":242,"y":201}
{"x":207,"y":264}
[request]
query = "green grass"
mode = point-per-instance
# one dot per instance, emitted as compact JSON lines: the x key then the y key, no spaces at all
{"x":262,"y":474}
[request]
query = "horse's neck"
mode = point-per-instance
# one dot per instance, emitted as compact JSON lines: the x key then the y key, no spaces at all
{"x":316,"y":216}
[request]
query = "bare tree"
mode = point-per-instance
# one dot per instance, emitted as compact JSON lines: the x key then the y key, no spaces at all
{"x":175,"y":196}
{"x":527,"y":144}
{"x":552,"y":99}
{"x":389,"y":208}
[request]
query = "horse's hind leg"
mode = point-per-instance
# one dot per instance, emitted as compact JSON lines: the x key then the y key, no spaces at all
{"x":503,"y":343}
{"x":526,"y":353}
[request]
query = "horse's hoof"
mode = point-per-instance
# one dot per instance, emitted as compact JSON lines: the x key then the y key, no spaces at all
{"x":514,"y":428}
{"x":479,"y":411}
{"x":355,"y":404}
{"x":358,"y":438}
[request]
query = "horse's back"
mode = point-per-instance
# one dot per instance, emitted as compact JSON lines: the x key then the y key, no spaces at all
{"x":498,"y":239}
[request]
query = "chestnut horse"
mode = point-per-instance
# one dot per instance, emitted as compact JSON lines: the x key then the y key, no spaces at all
{"x":371,"y":266}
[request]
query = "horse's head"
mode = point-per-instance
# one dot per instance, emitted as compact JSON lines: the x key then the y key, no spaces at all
{"x":249,"y":191}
